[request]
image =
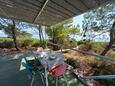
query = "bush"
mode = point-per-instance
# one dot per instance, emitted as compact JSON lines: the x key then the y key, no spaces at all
{"x":71,"y":62}
{"x":111,"y":54}
{"x":22,"y":42}
{"x":86,"y":46}
{"x":26,"y":43}
{"x":35,"y":43}
{"x":71,"y":43}
{"x":99,"y":46}
{"x":6,"y":44}
{"x":5,"y":39}
{"x":80,"y":42}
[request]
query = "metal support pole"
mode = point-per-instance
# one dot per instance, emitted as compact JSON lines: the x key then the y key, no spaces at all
{"x":100,"y":77}
{"x":36,"y":18}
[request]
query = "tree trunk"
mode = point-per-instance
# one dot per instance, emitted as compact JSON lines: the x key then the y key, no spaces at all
{"x":112,"y":39}
{"x":40,"y":35}
{"x":55,"y":41}
{"x":14,"y":35}
{"x":42,"y":43}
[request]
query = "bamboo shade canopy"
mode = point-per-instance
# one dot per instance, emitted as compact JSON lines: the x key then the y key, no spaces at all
{"x":46,"y":12}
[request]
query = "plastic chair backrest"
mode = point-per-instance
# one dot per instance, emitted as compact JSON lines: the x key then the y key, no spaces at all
{"x":58,"y":70}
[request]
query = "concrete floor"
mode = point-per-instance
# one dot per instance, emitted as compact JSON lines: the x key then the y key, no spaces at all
{"x":10,"y":74}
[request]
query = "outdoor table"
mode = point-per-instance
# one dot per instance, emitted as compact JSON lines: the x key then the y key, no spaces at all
{"x":48,"y":60}
{"x":51,"y":60}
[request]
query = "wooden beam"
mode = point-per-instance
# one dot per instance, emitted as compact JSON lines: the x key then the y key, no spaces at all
{"x":37,"y":17}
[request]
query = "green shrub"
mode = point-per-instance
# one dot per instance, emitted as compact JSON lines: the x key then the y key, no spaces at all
{"x":71,"y":43}
{"x":71,"y":62}
{"x":26,"y":43}
{"x":35,"y":44}
{"x":2,"y":39}
{"x":80,"y":42}
{"x":86,"y":46}
{"x":22,"y":42}
{"x":83,"y":42}
{"x":99,"y":45}
{"x":6,"y":44}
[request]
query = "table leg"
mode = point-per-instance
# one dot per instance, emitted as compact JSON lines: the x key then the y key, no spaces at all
{"x":56,"y":81}
{"x":46,"y":76}
{"x":32,"y":80}
{"x":42,"y":78}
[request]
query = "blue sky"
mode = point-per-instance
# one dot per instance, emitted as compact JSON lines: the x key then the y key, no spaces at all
{"x":2,"y":34}
{"x":78,"y":20}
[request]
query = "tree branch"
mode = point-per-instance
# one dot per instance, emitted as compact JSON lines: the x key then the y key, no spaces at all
{"x":112,"y":39}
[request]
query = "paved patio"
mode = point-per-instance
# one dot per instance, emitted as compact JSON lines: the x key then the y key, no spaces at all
{"x":10,"y":74}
